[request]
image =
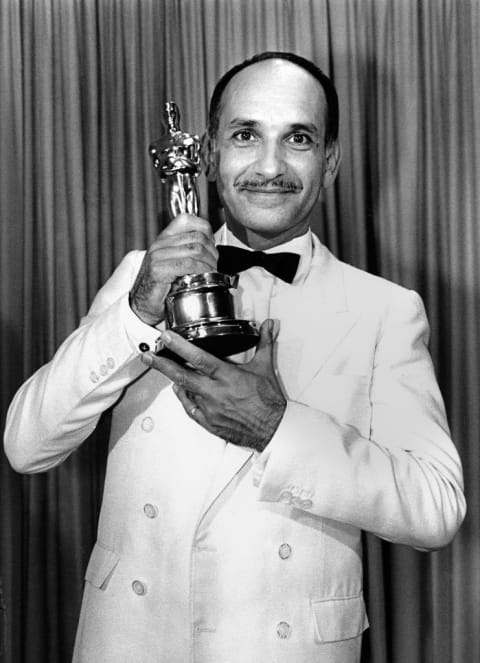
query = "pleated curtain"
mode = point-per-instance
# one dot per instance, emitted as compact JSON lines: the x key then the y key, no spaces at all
{"x":82,"y":88}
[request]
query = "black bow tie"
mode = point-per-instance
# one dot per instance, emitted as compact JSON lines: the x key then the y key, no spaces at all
{"x":232,"y":260}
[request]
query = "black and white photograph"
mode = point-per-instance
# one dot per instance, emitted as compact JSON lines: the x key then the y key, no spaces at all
{"x":239,"y":331}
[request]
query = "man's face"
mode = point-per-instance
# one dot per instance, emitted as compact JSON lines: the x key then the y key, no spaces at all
{"x":271,"y":162}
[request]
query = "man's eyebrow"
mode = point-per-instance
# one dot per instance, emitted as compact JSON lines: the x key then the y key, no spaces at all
{"x":242,"y":122}
{"x":308,"y":127}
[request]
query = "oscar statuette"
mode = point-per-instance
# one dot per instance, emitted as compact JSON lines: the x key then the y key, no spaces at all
{"x":199,"y":307}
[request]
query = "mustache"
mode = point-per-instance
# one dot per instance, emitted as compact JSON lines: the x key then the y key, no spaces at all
{"x":278,"y":184}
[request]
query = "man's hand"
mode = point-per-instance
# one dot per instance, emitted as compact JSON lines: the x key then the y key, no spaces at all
{"x":241,"y":403}
{"x":186,"y":246}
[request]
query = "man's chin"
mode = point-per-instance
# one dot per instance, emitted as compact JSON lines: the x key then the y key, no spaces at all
{"x":265,"y":225}
{"x":262,"y":231}
{"x":267,"y":212}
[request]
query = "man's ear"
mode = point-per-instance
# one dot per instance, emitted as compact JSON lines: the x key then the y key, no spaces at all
{"x":208,"y":154}
{"x":333,"y":157}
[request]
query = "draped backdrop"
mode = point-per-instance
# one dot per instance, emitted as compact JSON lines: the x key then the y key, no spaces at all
{"x":82,"y":87}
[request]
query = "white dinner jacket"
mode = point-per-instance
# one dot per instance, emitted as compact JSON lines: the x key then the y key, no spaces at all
{"x":208,"y":553}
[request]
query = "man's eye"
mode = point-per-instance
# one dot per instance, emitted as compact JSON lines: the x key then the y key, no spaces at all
{"x":300,"y":140}
{"x":244,"y":136}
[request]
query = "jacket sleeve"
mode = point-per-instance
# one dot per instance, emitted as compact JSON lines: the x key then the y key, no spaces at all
{"x":404,"y":482}
{"x":60,"y":405}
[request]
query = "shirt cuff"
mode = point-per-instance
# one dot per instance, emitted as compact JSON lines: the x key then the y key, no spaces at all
{"x":141,"y":336}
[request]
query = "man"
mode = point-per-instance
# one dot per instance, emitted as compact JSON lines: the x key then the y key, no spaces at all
{"x":236,"y":491}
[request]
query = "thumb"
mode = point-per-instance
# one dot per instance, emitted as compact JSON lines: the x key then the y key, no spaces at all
{"x":269,"y":331}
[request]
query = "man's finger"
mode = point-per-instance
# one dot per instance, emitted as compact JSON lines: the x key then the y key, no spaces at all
{"x":195,"y":240}
{"x":183,"y":376}
{"x":187,"y":222}
{"x":201,"y":361}
{"x":191,"y":408}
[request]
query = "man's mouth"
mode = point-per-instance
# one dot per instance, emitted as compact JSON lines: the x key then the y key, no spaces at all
{"x":268,"y":190}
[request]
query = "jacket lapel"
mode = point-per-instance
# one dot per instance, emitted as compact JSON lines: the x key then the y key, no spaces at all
{"x":235,"y":461}
{"x":316,"y":323}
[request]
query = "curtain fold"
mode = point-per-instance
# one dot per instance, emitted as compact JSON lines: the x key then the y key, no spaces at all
{"x":82,"y":87}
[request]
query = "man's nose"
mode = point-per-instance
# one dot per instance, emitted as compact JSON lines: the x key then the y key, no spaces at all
{"x":270,"y":160}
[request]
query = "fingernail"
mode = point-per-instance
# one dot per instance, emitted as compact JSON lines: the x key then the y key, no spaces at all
{"x":147,"y":358}
{"x":166,"y":338}
{"x":158,"y":344}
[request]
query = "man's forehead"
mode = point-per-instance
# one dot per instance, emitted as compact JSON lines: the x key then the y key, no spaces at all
{"x":270,"y":84}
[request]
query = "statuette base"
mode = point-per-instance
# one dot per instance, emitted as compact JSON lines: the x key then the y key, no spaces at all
{"x":221,"y":338}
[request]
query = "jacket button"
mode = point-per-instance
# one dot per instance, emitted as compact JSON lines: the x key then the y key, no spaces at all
{"x":110,"y":362}
{"x":94,"y":377}
{"x":305,"y":504}
{"x":139,"y":587}
{"x":150,"y":511}
{"x":286,"y":497}
{"x":283,"y":630}
{"x":285,"y":551}
{"x":103,"y":369}
{"x":147,"y":424}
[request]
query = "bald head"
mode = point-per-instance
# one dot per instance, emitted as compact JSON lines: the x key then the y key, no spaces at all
{"x":329,"y":92}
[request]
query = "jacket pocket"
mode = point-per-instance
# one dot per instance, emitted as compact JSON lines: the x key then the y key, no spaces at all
{"x":339,"y":619}
{"x":101,"y":566}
